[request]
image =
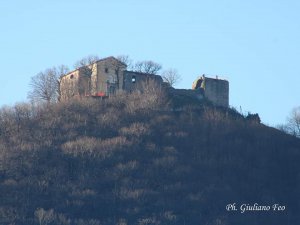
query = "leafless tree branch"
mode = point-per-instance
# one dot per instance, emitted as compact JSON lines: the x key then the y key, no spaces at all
{"x":45,"y":85}
{"x":171,"y":76}
{"x":149,"y":67}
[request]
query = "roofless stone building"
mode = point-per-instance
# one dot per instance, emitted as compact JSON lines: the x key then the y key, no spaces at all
{"x":109,"y":76}
{"x":214,"y":89}
{"x":103,"y":78}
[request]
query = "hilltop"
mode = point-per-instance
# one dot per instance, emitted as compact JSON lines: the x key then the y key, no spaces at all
{"x":143,"y":159}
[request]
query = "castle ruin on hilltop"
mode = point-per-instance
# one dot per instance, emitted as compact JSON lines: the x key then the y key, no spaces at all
{"x":214,"y":89}
{"x":109,"y":76}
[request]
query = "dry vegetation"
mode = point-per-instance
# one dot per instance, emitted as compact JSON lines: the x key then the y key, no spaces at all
{"x":140,"y":160}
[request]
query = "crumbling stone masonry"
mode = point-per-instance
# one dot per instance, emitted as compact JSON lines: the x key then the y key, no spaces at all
{"x":108,"y":76}
{"x":104,"y":78}
{"x":214,"y":89}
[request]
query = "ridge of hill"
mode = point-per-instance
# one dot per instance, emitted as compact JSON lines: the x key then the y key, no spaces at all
{"x":141,"y":159}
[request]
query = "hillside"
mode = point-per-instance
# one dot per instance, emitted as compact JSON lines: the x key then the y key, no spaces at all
{"x":143,"y":160}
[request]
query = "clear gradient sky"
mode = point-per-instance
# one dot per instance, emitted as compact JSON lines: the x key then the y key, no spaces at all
{"x":254,"y":44}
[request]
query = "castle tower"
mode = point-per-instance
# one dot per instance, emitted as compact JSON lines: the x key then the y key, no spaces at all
{"x":214,"y":89}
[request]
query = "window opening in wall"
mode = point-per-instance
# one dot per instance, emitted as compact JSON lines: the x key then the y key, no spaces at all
{"x":72,"y":76}
{"x":106,"y":70}
{"x":133,"y":79}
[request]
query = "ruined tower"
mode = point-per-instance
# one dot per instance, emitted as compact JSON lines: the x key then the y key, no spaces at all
{"x":215,"y":90}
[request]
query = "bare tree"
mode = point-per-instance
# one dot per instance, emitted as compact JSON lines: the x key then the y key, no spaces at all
{"x":86,"y":61}
{"x":45,"y":85}
{"x":171,"y":76}
{"x":85,"y":64}
{"x":126,"y":60}
{"x":62,"y":70}
{"x":292,"y":126}
{"x":149,"y":67}
{"x":293,"y":122}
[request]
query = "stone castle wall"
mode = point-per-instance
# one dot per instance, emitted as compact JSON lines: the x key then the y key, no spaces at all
{"x":134,"y":81}
{"x":217,"y":91}
{"x":214,"y":89}
{"x":69,"y":85}
{"x":108,"y":76}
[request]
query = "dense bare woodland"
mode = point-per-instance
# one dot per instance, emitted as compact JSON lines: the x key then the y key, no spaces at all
{"x":145,"y":158}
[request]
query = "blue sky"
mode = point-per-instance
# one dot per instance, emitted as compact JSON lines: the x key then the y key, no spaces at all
{"x":254,"y":44}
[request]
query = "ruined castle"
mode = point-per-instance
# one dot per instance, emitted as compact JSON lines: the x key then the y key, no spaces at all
{"x":109,"y":76}
{"x":215,"y":90}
